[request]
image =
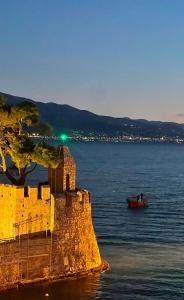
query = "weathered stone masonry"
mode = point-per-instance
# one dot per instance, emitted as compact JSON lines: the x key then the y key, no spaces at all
{"x":47,"y":235}
{"x":24,"y":210}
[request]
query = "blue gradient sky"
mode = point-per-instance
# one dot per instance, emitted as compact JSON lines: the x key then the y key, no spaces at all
{"x":113,"y":57}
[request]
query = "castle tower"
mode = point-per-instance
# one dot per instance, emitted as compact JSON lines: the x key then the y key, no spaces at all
{"x":63,"y":177}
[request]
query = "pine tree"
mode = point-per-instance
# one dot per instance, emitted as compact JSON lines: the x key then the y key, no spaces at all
{"x":19,"y":153}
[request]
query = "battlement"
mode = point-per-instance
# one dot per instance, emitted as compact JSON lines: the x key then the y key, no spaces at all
{"x":72,"y":199}
{"x":31,"y":192}
{"x":24,"y":210}
{"x":32,"y":209}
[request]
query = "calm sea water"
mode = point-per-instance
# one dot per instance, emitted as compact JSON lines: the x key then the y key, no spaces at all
{"x":145,"y":248}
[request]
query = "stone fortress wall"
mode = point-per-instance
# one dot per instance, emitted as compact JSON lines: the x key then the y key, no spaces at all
{"x":24,"y":210}
{"x":46,"y":232}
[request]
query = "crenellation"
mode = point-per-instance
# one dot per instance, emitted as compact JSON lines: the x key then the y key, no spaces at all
{"x":26,"y":191}
{"x":69,"y":200}
{"x":18,"y":208}
{"x":33,"y":193}
{"x":45,"y":192}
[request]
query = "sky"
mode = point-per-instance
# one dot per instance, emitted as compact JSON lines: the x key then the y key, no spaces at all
{"x":112,"y":57}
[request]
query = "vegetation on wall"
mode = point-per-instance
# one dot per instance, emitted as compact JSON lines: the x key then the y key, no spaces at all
{"x":19,"y":154}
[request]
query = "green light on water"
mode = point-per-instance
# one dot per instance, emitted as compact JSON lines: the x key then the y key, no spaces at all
{"x":63,"y":137}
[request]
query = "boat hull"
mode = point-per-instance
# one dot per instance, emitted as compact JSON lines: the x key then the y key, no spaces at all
{"x":133,"y":203}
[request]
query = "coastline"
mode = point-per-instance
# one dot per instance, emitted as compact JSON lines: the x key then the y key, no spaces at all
{"x":104,"y":266}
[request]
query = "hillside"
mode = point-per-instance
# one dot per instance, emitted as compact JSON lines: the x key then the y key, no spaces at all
{"x":63,"y":116}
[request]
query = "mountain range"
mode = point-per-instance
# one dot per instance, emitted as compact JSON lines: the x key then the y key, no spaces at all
{"x":63,"y":117}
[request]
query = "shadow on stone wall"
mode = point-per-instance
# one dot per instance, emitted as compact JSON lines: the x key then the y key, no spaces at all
{"x":83,"y":288}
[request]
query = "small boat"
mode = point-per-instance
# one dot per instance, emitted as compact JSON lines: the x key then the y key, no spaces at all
{"x":134,"y":203}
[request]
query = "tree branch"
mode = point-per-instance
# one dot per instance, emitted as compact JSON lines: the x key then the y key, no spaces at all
{"x":11,"y":178}
{"x":4,"y":166}
{"x":30,"y":171}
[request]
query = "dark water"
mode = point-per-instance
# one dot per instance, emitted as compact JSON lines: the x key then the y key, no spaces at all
{"x":145,"y":248}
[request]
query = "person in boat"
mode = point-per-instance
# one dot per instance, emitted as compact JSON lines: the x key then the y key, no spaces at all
{"x":138,"y":197}
{"x":142,"y":196}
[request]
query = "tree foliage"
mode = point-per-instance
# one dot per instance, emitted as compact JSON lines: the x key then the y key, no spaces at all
{"x":17,"y":146}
